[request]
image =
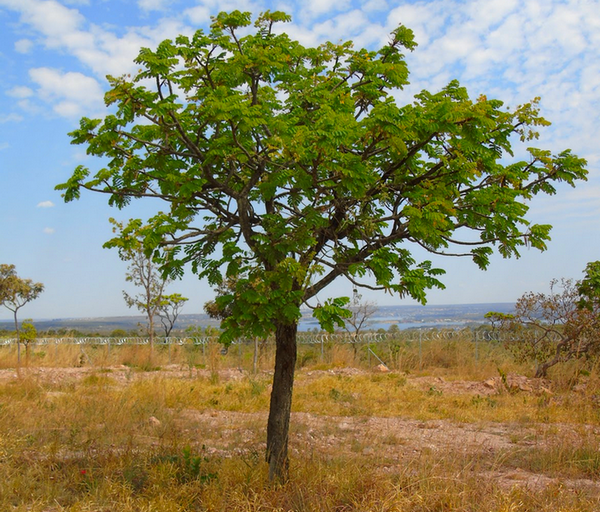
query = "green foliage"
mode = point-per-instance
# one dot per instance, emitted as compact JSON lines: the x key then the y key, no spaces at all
{"x":28,"y":331}
{"x":589,"y":287}
{"x":15,"y":293}
{"x":332,"y":312}
{"x":8,"y":275}
{"x":286,"y":167}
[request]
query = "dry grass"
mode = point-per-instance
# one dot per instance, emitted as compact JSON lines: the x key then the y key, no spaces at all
{"x":190,"y":437}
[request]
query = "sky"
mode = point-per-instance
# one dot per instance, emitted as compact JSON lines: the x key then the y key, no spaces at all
{"x":55,"y":55}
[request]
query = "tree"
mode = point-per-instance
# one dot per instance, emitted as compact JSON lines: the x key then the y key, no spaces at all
{"x":28,"y":336}
{"x":589,"y":287}
{"x":8,"y":275}
{"x":286,"y":167}
{"x":360,"y":312}
{"x":169,"y":309}
{"x":14,"y":294}
{"x":548,"y":329}
{"x":142,"y":272}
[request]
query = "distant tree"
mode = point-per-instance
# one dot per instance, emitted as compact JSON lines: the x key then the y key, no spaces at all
{"x":14,"y":294}
{"x":169,"y":310}
{"x":498,"y":320}
{"x":548,"y":329}
{"x":286,"y":167}
{"x":118,"y":333}
{"x":393,"y":329}
{"x":28,"y":336}
{"x":142,"y":272}
{"x":361,"y":311}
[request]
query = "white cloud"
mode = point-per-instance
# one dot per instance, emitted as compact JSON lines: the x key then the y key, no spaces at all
{"x":53,"y":19}
{"x":153,"y":5}
{"x":20,"y":92}
{"x":45,"y":204}
{"x":320,"y":7}
{"x":70,"y":94}
{"x":23,"y":45}
{"x":4,"y":145}
{"x":199,"y":15}
{"x":8,"y":118}
{"x":375,"y":5}
{"x":66,"y":29}
{"x":49,"y":231}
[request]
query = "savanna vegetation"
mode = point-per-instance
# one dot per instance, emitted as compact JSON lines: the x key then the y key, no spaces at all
{"x":449,"y":428}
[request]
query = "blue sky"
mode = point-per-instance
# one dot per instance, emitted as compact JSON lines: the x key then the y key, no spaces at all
{"x":55,"y":54}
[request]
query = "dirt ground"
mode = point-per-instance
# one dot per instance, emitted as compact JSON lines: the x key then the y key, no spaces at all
{"x":389,"y":441}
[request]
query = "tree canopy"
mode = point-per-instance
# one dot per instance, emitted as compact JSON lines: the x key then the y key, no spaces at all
{"x":285,"y":167}
{"x":294,"y":166}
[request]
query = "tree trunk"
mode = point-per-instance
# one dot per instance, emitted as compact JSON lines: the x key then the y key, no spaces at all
{"x":18,"y":342}
{"x":255,"y":356}
{"x":281,"y":402}
{"x":151,"y":336}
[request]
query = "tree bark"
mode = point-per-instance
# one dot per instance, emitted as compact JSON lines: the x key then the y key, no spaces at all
{"x":255,"y":356}
{"x":281,"y":402}
{"x":18,"y":341}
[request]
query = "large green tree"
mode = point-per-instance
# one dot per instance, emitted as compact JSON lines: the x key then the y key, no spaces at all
{"x":285,"y":167}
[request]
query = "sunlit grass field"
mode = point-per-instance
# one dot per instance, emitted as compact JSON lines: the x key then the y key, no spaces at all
{"x":184,"y":430}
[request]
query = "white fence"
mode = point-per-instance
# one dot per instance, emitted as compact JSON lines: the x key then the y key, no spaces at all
{"x":412,"y":335}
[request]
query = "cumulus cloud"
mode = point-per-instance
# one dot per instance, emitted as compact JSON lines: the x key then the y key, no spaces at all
{"x":71,"y":94}
{"x":375,"y":5}
{"x":506,"y":48}
{"x":23,"y":45}
{"x":20,"y":92}
{"x":45,"y":204}
{"x":8,"y":118}
{"x":314,"y":8}
{"x":49,"y":231}
{"x":153,"y":5}
{"x":198,"y":15}
{"x":201,"y":13}
{"x":98,"y":48}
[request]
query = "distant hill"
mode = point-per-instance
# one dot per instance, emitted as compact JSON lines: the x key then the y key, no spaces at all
{"x":106,"y":325}
{"x":403,"y":316}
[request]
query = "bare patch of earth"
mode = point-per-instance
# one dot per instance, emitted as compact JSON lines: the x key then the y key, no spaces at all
{"x":390,"y":442}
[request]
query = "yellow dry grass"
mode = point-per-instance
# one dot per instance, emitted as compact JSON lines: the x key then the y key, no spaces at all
{"x":95,"y":435}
